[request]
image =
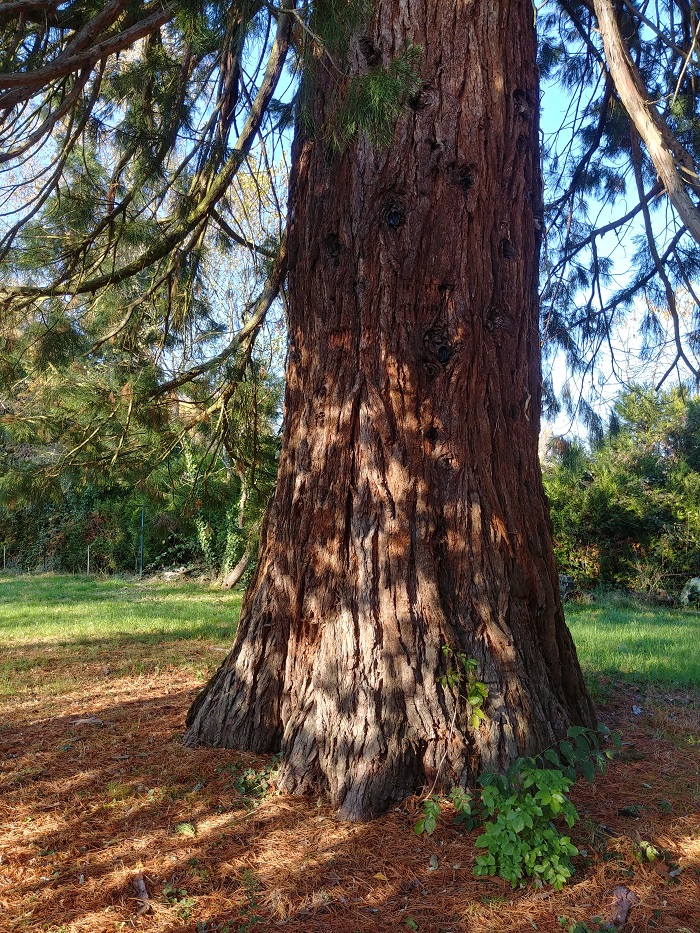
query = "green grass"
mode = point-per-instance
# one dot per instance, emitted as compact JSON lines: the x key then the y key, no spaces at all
{"x":50,"y":626}
{"x":92,"y":610}
{"x":640,"y":643}
{"x":44,"y":619}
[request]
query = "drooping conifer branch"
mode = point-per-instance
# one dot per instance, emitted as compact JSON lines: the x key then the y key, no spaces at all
{"x":673,"y":163}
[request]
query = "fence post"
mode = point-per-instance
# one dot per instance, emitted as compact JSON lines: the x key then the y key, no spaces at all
{"x":88,"y":564}
{"x":143,"y":513}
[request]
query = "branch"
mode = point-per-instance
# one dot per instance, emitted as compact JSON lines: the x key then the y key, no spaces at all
{"x":626,"y":294}
{"x":590,"y":152}
{"x":572,"y":249}
{"x":237,"y":238}
{"x":246,"y":335}
{"x":654,"y":28}
{"x":22,"y":86}
{"x":582,"y":30}
{"x":72,"y":135}
{"x":96,"y":26}
{"x":660,"y":269}
{"x":51,"y":120}
{"x":202,"y":211}
{"x":664,"y":150}
{"x":11,"y":9}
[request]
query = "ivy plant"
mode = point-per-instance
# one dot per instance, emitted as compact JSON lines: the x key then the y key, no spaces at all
{"x":460,"y":677}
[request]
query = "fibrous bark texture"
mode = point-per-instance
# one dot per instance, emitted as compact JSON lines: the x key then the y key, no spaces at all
{"x":409,"y":513}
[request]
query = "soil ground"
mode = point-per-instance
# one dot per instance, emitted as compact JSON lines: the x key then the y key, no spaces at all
{"x":108,"y":823}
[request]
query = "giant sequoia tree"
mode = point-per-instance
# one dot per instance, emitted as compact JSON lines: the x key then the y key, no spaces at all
{"x":409,"y":529}
{"x":409,"y":514}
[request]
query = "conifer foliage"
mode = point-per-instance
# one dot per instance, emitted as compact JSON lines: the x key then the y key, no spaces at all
{"x":129,"y":132}
{"x":621,"y":168}
{"x":123,"y":125}
{"x":626,"y":509}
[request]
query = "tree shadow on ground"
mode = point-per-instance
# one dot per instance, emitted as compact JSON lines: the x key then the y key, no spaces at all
{"x":102,"y":792}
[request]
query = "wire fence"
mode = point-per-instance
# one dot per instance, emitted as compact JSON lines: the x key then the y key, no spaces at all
{"x":90,"y":561}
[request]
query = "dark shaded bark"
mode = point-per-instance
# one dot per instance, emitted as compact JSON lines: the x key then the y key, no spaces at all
{"x":409,"y":512}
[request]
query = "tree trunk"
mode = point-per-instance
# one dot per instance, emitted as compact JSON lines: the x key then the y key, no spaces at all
{"x":232,"y":576}
{"x":409,"y":513}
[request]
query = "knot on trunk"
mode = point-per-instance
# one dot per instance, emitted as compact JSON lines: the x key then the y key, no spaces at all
{"x":438,"y":350}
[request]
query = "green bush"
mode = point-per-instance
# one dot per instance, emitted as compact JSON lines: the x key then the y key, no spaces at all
{"x":626,"y":511}
{"x":520,"y":837}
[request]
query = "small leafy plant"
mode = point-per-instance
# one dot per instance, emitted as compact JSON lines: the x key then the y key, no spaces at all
{"x":582,"y":749}
{"x":249,"y":914}
{"x":517,"y":810}
{"x":579,"y":927}
{"x":431,"y":813}
{"x":520,"y":837}
{"x":252,"y":785}
{"x":212,"y":926}
{"x":646,"y":852}
{"x":432,"y":808}
{"x":460,"y":677}
{"x":465,"y":815}
{"x":179,"y":898}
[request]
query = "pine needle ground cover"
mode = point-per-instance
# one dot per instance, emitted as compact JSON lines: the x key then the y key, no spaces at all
{"x":107,"y":823}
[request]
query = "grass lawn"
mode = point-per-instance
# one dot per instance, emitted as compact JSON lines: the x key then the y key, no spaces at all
{"x":98,"y":610}
{"x":615,"y":637}
{"x":48,"y":624}
{"x":109,"y":823}
{"x":643,"y":644}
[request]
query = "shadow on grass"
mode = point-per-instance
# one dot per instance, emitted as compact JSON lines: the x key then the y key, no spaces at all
{"x":204,"y":633}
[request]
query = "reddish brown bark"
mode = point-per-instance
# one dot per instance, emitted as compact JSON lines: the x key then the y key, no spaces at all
{"x":409,"y":512}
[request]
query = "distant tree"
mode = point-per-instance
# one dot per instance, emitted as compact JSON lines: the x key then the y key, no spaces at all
{"x":204,"y":472}
{"x":627,"y":511}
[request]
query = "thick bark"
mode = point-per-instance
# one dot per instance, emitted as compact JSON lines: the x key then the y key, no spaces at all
{"x":409,"y":512}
